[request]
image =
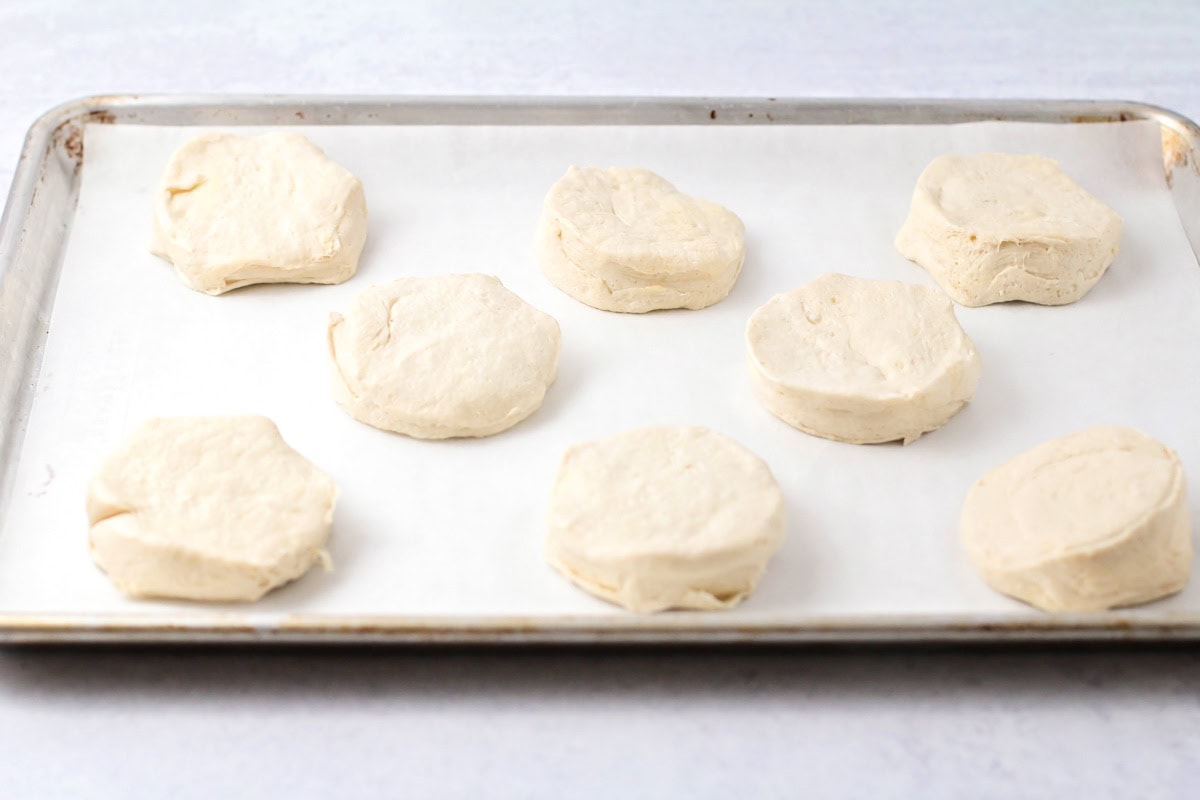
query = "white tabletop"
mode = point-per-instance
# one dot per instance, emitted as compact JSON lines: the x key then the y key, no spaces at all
{"x":1069,"y":722}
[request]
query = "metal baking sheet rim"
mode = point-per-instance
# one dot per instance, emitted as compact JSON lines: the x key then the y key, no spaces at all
{"x":29,"y":234}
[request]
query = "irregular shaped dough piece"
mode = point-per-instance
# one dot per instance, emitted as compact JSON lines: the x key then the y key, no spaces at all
{"x":992,"y":228}
{"x":861,"y":361}
{"x":208,"y":508}
{"x":445,"y":356}
{"x":236,"y":210}
{"x":626,"y":240}
{"x":664,"y":517}
{"x":1086,"y":522}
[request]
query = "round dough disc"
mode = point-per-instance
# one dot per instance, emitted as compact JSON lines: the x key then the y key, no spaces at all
{"x":626,"y":240}
{"x":861,"y":361}
{"x":664,"y":517}
{"x":208,"y":508}
{"x":443,"y":356}
{"x":992,"y":228}
{"x":1086,"y":522}
{"x":235,"y":210}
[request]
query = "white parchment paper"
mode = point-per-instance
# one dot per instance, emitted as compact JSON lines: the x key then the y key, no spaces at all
{"x":455,"y":528}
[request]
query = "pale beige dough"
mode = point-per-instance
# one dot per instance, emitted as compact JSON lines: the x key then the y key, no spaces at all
{"x":443,"y":356}
{"x":664,"y":517}
{"x":861,"y":361}
{"x":208,"y":508}
{"x":1086,"y":522}
{"x":627,"y":240}
{"x":234,"y":210}
{"x":992,"y":228}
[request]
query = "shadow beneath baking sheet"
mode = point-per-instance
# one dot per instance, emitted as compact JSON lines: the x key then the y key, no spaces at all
{"x":590,"y":677}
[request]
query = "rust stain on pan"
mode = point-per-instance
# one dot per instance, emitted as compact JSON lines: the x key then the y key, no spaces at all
{"x":54,"y":630}
{"x":506,"y":626}
{"x":72,"y":143}
{"x":69,"y":135}
{"x":101,"y":116}
{"x":667,"y":629}
{"x":668,"y":625}
{"x":1121,"y":116}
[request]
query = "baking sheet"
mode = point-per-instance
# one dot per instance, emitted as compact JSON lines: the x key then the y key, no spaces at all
{"x":451,"y":529}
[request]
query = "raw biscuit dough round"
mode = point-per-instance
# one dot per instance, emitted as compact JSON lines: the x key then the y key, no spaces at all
{"x":208,"y":508}
{"x":664,"y":517}
{"x":627,"y":240}
{"x":442,"y":356}
{"x":1086,"y":522}
{"x":861,"y":361}
{"x":235,"y":210}
{"x":992,"y":228}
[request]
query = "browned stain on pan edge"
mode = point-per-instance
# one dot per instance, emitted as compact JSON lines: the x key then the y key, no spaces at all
{"x":69,"y":135}
{"x":1120,"y":116}
{"x":668,"y":629}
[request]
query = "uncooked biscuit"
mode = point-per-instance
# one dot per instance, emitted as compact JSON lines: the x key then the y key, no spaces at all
{"x":235,"y":210}
{"x":861,"y":361}
{"x":1086,"y":522}
{"x":993,"y":227}
{"x":442,"y":356}
{"x":208,"y":508}
{"x":627,"y":240}
{"x":664,"y":517}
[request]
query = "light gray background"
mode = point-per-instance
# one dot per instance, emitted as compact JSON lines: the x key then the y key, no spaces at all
{"x":1075,"y":722}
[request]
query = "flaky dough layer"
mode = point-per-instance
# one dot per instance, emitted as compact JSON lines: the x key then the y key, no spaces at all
{"x":992,"y":228}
